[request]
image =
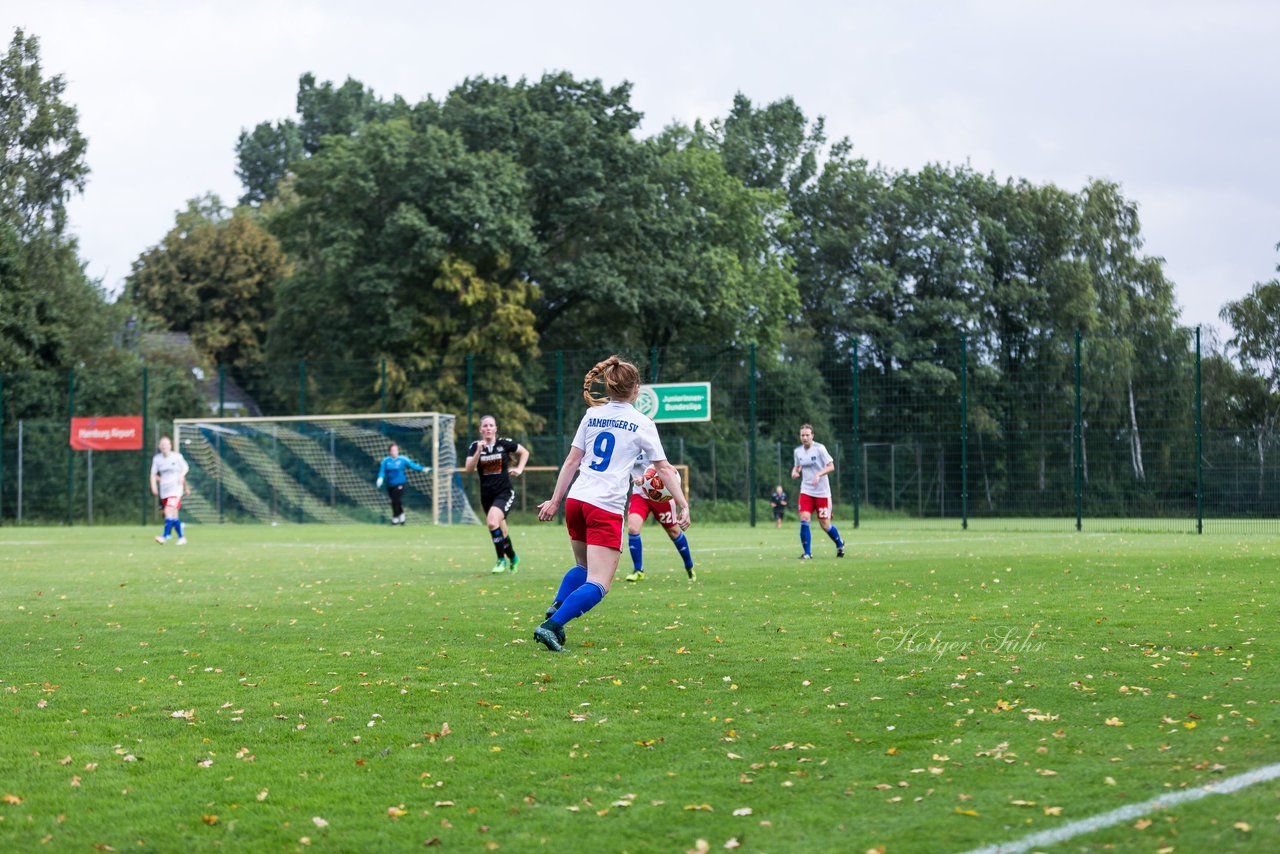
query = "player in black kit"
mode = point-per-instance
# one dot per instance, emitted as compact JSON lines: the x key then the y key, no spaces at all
{"x":491,"y":456}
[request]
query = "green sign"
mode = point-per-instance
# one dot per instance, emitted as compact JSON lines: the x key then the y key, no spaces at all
{"x":671,"y":402}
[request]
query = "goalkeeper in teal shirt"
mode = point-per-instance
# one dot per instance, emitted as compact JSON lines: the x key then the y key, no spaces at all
{"x":392,"y":473}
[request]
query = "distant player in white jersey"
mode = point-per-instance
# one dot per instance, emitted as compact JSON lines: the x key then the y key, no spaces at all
{"x":638,"y":511}
{"x":169,"y":484}
{"x":610,"y":436}
{"x":812,"y":465}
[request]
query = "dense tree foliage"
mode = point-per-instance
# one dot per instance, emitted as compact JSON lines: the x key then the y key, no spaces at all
{"x":516,"y":218}
{"x":51,"y":315}
{"x":403,"y":243}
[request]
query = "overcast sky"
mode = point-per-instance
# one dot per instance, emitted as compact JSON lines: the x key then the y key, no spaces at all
{"x":1175,"y":101}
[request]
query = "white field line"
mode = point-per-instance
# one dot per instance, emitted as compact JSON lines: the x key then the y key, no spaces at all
{"x":1132,"y":811}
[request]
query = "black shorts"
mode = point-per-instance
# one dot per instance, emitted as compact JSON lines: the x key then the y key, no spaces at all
{"x":779,"y":512}
{"x":504,"y":501}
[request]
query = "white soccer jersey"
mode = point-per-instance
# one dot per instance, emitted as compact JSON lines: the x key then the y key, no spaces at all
{"x":638,"y":470}
{"x":811,"y":461}
{"x":172,"y":468}
{"x":611,"y":437}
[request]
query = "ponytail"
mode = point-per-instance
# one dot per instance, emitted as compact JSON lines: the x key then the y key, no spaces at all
{"x":620,"y":379}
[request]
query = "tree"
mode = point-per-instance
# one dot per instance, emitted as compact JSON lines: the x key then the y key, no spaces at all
{"x":266,"y":155}
{"x":1256,"y":343}
{"x":51,"y":315}
{"x":264,"y":158}
{"x":1137,"y":344}
{"x":403,"y":241}
{"x":43,"y":147}
{"x":214,"y":276}
{"x":771,"y":148}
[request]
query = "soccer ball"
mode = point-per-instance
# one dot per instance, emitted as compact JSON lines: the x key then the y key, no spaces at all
{"x":653,"y":487}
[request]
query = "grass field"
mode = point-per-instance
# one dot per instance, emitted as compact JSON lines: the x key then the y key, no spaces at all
{"x":375,"y":689}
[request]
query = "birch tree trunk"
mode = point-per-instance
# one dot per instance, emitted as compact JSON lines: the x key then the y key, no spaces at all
{"x":1135,"y":441}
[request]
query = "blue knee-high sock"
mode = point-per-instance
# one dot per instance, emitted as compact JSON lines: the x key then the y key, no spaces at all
{"x":804,"y":535}
{"x":579,"y":602}
{"x":177,"y":526}
{"x":682,"y":546}
{"x":168,"y":528}
{"x":835,"y":537}
{"x":637,"y":551}
{"x":573,"y":579}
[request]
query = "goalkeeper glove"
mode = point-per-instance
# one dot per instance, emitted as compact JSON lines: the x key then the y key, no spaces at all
{"x":379,"y":483}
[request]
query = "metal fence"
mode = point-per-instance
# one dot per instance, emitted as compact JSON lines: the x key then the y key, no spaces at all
{"x":1075,"y":438}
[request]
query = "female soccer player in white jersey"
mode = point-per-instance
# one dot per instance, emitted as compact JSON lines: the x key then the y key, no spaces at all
{"x":812,"y":465}
{"x":638,"y":510}
{"x":169,"y":484}
{"x":612,"y":433}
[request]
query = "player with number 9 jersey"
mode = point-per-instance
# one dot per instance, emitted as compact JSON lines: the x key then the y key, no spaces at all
{"x":610,"y":436}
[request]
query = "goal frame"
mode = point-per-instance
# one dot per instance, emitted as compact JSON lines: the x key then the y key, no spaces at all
{"x":438,"y":503}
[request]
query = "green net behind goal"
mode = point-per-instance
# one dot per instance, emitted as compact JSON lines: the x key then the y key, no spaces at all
{"x":319,"y":469}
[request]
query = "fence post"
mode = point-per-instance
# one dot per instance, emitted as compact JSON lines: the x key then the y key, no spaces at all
{"x":382,"y":384}
{"x":302,"y":387}
{"x":560,"y":452}
{"x":964,"y":433}
{"x":146,"y":462}
{"x":559,"y":406}
{"x":1199,"y":445}
{"x":470,"y":392}
{"x":71,"y":454}
{"x":1,"y":447}
{"x":18,"y":509}
{"x":1079,"y":430}
{"x":857,"y":440}
{"x":752,"y":428}
{"x":222,"y":413}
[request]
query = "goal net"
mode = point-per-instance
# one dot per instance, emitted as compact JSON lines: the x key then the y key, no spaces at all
{"x":319,"y":468}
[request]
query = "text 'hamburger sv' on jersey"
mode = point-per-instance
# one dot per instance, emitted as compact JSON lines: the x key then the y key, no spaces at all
{"x":610,"y":437}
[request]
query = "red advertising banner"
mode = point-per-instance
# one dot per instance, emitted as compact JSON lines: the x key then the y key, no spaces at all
{"x":117,"y":433}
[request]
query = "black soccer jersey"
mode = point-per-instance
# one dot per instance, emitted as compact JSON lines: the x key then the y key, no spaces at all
{"x":494,"y":461}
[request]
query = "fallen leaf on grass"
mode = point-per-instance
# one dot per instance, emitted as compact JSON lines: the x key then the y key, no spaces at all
{"x":1053,"y":810}
{"x":210,"y":820}
{"x":397,"y":812}
{"x":11,"y":799}
{"x":742,"y":811}
{"x":699,"y":807}
{"x":1242,"y":826}
{"x":959,"y":811}
{"x":1142,"y":824}
{"x":1113,"y":721}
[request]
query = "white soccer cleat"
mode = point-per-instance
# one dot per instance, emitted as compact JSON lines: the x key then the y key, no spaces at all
{"x":182,"y":541}
{"x":161,"y":540}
